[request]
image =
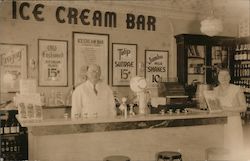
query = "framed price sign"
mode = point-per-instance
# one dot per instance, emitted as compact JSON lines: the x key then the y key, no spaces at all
{"x":90,"y":48}
{"x":124,"y":63}
{"x":156,"y":66}
{"x":13,"y":66}
{"x":53,"y":66}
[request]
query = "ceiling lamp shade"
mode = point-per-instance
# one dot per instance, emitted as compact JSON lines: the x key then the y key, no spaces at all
{"x":211,"y":26}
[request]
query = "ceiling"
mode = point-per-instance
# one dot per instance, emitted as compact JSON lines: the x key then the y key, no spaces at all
{"x":233,"y":8}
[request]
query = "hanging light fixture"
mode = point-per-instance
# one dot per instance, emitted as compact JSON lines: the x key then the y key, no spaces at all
{"x":211,"y":25}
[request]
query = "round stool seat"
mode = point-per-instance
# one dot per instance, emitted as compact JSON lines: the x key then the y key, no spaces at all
{"x":168,"y":155}
{"x":116,"y":158}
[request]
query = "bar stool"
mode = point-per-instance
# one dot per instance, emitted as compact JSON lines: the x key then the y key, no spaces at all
{"x":116,"y":158}
{"x":217,"y":153}
{"x":168,"y":156}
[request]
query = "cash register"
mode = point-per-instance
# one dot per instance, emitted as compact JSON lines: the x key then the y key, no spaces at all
{"x":175,"y":97}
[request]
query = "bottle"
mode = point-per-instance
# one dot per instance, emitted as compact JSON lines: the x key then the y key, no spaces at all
{"x":123,"y":107}
{"x":11,"y":145}
{"x":1,"y":128}
{"x":3,"y":146}
{"x":248,"y":70}
{"x":236,"y":53}
{"x":241,"y":70}
{"x":245,"y":52}
{"x":6,"y":127}
{"x":241,"y":52}
{"x":18,"y":145}
{"x":14,"y":146}
{"x":248,"y":51}
{"x":13,"y":126}
{"x":7,"y":146}
{"x":18,"y":127}
{"x":235,"y":70}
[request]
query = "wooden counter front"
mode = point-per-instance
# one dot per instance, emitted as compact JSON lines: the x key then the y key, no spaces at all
{"x":139,"y":137}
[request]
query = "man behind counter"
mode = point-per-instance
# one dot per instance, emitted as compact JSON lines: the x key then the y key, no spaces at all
{"x":93,"y":98}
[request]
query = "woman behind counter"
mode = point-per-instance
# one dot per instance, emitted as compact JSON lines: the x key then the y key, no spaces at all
{"x":231,"y":99}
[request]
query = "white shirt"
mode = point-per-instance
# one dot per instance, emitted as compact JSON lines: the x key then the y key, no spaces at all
{"x":86,"y":102}
{"x":231,"y":98}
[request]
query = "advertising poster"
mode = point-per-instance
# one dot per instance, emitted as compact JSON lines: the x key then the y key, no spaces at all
{"x":53,"y":62}
{"x":89,"y":48}
{"x":13,"y":66}
{"x":124,"y":63}
{"x":156,"y":65}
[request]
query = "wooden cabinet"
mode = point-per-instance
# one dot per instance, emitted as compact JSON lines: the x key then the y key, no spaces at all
{"x":199,"y":57}
{"x":14,"y":138}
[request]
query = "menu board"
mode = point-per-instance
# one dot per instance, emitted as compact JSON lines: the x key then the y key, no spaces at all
{"x":89,"y":48}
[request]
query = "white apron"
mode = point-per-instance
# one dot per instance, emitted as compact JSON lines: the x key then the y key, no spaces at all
{"x":233,"y":131}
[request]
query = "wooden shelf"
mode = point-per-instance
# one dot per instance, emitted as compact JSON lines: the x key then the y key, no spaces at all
{"x":195,"y":73}
{"x":241,"y":78}
{"x":195,"y":57}
{"x":242,"y":61}
{"x":10,"y":135}
{"x":12,"y":152}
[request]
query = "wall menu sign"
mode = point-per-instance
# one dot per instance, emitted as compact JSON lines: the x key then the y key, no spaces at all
{"x":156,"y":62}
{"x":53,"y":67}
{"x":124,"y":63}
{"x":90,"y":48}
{"x":13,"y":66}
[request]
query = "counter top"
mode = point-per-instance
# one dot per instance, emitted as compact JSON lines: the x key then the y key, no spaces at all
{"x":83,"y":125}
{"x":148,"y":117}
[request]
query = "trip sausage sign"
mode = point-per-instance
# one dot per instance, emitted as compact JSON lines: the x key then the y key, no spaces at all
{"x":124,"y":63}
{"x":156,"y":66}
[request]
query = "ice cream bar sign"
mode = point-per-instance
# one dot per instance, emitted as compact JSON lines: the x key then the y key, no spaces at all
{"x":81,"y":16}
{"x":124,"y":63}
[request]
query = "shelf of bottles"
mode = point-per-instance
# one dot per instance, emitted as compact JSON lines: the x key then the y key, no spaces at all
{"x":241,"y":68}
{"x":14,"y":138}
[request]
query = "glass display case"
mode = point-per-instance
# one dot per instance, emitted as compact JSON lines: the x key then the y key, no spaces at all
{"x":199,"y":57}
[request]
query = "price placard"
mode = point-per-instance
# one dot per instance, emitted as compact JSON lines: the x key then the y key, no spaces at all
{"x":156,"y":70}
{"x":13,"y":66}
{"x":124,"y":63}
{"x":90,"y":48}
{"x":53,"y":62}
